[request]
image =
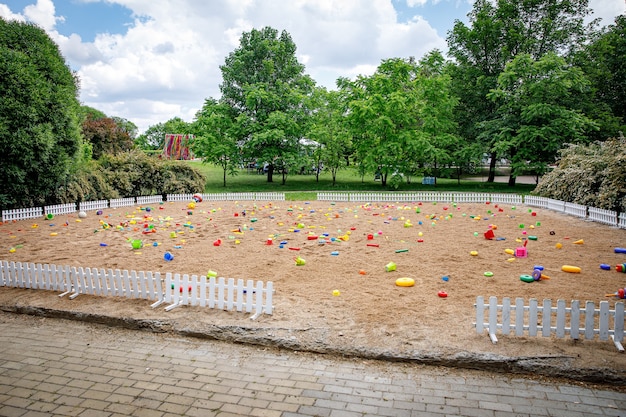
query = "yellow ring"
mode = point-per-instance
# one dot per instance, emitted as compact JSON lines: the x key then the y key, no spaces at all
{"x":405,"y":282}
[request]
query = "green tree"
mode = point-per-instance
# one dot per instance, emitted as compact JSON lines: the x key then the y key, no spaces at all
{"x":330,"y":131}
{"x":266,"y":88}
{"x":402,"y":118}
{"x":602,"y":60}
{"x":497,"y":33}
{"x":538,"y":111}
{"x":216,"y":137}
{"x":39,"y":123}
{"x":154,"y":137}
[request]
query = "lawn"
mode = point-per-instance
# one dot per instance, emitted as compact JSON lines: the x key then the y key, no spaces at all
{"x":304,"y":187}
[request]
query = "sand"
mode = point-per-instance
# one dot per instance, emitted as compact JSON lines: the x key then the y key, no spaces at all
{"x":344,"y":293}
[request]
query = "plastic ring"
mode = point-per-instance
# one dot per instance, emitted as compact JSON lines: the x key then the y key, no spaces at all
{"x":405,"y":282}
{"x":537,"y":274}
{"x":488,"y":274}
{"x":526,"y":278}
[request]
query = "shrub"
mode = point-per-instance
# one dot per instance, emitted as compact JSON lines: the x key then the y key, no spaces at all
{"x":593,"y":175}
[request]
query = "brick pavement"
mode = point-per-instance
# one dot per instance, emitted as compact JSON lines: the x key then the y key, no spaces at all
{"x":51,"y":367}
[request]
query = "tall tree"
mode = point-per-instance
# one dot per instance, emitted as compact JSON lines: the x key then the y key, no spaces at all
{"x":329,"y":129}
{"x":498,"y":32}
{"x":265,"y":86}
{"x":402,"y":117}
{"x":216,"y":137}
{"x":39,"y":122}
{"x":538,"y":112}
{"x":603,"y":62}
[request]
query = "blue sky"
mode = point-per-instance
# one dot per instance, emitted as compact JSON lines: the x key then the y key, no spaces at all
{"x":151,"y":60}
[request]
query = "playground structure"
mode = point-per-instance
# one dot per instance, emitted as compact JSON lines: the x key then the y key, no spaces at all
{"x":176,"y":146}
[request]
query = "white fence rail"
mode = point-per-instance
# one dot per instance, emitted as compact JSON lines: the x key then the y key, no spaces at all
{"x":608,"y":217}
{"x":603,"y":216}
{"x":122,"y":202}
{"x":534,"y":201}
{"x":21,"y":214}
{"x":548,"y":320}
{"x":333,"y":197}
{"x":149,"y":199}
{"x":60,"y":209}
{"x":93,"y":205}
{"x":577,"y":210}
{"x":249,"y":296}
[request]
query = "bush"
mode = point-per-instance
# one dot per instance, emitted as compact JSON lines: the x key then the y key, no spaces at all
{"x":131,"y":174}
{"x":593,"y":175}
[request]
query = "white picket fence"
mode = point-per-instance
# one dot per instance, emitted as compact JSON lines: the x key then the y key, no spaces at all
{"x":21,"y":214}
{"x":534,"y":318}
{"x":603,"y":216}
{"x":93,"y":205}
{"x":149,"y":199}
{"x":60,"y":209}
{"x":122,"y":202}
{"x":250,"y":297}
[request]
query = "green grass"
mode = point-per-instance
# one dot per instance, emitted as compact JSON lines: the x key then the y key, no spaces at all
{"x":305,"y":187}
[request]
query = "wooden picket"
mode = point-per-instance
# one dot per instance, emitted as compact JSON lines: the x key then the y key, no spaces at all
{"x":249,"y":296}
{"x":220,"y":293}
{"x":536,"y":318}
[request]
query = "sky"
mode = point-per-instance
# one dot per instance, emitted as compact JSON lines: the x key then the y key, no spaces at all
{"x":149,"y":61}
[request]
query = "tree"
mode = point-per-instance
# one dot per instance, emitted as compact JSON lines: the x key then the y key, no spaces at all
{"x":537,"y":111}
{"x":498,"y":32}
{"x":265,"y":86}
{"x":402,"y":117}
{"x":106,"y":136}
{"x":216,"y":137}
{"x":329,"y":129}
{"x":39,"y":123}
{"x":154,"y":137}
{"x":602,"y":60}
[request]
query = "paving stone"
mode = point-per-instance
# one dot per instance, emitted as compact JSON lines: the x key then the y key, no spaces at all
{"x":78,"y":369}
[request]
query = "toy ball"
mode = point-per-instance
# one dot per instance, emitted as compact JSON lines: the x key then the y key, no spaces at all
{"x":621,"y":293}
{"x":197,"y":198}
{"x":137,"y":244}
{"x":191,"y":205}
{"x":82,"y":215}
{"x":99,"y":213}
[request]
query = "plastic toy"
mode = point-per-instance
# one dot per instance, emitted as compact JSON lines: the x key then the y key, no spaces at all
{"x":526,"y":278}
{"x":405,"y":282}
{"x":442,"y":294}
{"x":168,"y":256}
{"x":570,"y":268}
{"x":390,"y":267}
{"x":619,"y":250}
{"x":538,"y":275}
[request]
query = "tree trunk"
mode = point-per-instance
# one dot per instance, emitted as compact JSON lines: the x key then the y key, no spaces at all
{"x":270,"y":173}
{"x":492,"y":168}
{"x":224,"y":177}
{"x":511,"y":180}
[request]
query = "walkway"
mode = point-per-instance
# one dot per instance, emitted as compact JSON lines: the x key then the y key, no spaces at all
{"x":52,"y":367}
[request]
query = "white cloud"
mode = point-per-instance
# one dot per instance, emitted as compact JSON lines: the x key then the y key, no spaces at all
{"x":167,"y":62}
{"x":7,"y":14}
{"x":607,"y":10}
{"x":42,"y":13}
